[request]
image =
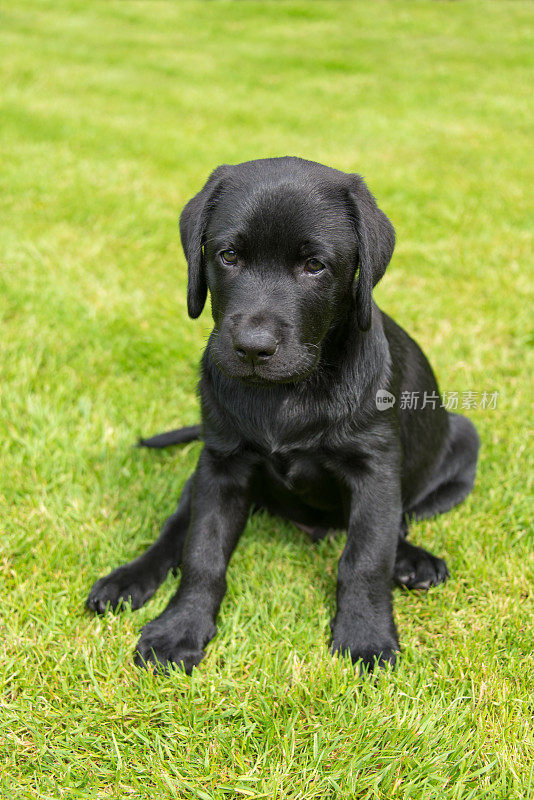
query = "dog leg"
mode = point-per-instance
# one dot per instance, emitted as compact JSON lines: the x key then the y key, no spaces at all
{"x":416,"y":568}
{"x":455,"y":476}
{"x":363,"y":626}
{"x":137,"y":581}
{"x":219,"y":508}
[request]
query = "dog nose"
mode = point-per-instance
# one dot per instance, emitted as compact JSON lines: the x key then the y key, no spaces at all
{"x":255,"y":345}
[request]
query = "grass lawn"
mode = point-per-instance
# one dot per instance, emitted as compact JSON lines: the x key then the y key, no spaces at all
{"x":112,"y":114}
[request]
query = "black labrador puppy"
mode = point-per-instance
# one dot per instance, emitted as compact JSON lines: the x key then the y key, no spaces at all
{"x":301,"y":390}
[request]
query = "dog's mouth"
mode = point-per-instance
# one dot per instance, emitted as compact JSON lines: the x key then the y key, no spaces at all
{"x":256,"y":375}
{"x":255,"y":379}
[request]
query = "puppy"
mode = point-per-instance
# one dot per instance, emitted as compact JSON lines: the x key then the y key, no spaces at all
{"x":294,"y":418}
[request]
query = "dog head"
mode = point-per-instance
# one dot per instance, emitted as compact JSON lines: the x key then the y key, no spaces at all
{"x":287,"y":248}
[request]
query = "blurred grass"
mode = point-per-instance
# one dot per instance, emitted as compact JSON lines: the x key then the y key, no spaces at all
{"x":111,"y":116}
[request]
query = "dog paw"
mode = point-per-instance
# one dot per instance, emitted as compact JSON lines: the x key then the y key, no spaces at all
{"x":416,"y":568}
{"x":367,"y":658}
{"x":121,"y":586}
{"x":367,"y":655}
{"x":168,"y":648}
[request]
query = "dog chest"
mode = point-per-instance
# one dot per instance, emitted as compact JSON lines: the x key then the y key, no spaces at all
{"x":301,"y":475}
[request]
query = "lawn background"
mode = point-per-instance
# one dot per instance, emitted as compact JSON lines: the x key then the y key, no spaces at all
{"x":112,"y":114}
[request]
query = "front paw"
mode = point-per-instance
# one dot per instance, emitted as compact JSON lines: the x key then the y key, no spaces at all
{"x":367,"y":652}
{"x":416,"y":568}
{"x":123,"y":585}
{"x":167,"y":645}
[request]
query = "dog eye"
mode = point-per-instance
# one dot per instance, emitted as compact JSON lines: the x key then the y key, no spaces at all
{"x":229,"y":257}
{"x":313,"y":266}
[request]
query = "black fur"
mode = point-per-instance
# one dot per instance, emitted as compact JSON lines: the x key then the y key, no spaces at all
{"x":290,"y":251}
{"x":177,"y":436}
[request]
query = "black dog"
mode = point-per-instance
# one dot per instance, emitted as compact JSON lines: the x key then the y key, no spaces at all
{"x":296,"y":415}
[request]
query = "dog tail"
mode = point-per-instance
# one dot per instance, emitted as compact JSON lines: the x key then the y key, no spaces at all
{"x":177,"y":436}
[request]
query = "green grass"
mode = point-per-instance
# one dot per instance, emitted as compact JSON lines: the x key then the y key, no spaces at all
{"x":112,"y":114}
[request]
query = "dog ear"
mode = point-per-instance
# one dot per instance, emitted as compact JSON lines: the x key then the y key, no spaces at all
{"x":376,"y":240}
{"x":193,"y":222}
